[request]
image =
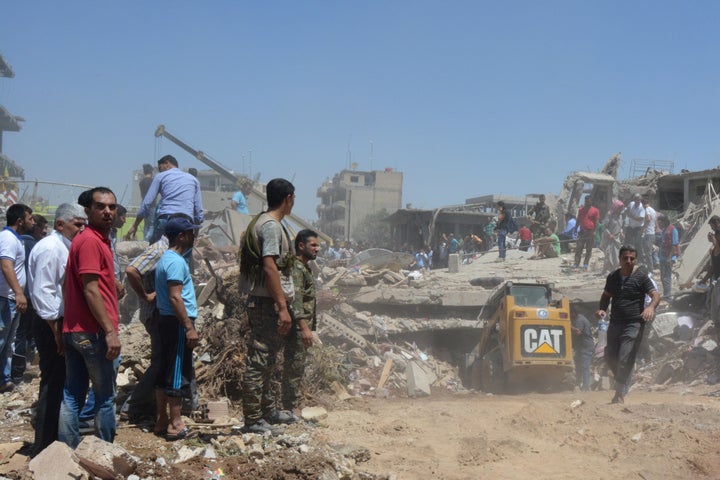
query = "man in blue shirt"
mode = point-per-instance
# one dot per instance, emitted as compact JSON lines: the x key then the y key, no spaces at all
{"x":239,"y":200}
{"x":179,"y":193}
{"x":176,"y":303}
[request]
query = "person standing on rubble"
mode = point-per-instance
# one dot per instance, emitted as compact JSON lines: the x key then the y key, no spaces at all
{"x":179,"y":193}
{"x":177,"y":308}
{"x":612,"y":237}
{"x":712,"y":278}
{"x":635,"y":213}
{"x":144,"y":184}
{"x":583,"y":344}
{"x":541,"y":217}
{"x":90,"y":324}
{"x":648,"y":235}
{"x":239,"y":199}
{"x":13,"y":302}
{"x":587,"y":221}
{"x":302,"y":311}
{"x":669,"y":251}
{"x":627,"y":288}
{"x":46,"y":275}
{"x":266,"y":264}
{"x":24,"y":344}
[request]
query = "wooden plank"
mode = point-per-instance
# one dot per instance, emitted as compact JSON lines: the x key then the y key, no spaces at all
{"x":206,"y":292}
{"x":385,"y":373}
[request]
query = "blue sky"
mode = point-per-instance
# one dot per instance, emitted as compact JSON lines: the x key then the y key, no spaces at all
{"x":465,"y":98}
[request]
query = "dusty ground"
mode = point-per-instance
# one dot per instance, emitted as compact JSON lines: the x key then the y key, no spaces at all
{"x":655,"y":435}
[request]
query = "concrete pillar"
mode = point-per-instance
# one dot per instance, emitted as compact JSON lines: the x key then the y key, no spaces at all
{"x":453,"y":263}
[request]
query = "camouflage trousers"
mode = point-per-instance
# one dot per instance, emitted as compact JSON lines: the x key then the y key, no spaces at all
{"x":258,"y":396}
{"x":293,"y":369}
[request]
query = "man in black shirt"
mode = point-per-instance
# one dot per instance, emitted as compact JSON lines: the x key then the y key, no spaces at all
{"x":627,"y":287}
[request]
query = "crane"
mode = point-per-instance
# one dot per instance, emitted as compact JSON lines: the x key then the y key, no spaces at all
{"x":161,"y":131}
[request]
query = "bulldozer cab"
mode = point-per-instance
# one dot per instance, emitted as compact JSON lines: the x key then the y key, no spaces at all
{"x":525,"y":341}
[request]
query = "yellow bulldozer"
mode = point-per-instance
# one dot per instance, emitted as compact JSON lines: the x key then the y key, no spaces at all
{"x":525,"y":341}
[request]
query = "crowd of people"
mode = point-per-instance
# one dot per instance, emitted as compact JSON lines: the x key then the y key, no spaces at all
{"x":60,"y":291}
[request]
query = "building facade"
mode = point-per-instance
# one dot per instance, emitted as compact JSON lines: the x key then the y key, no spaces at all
{"x":352,"y":195}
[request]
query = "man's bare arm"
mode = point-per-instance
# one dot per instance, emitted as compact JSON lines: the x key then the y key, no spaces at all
{"x":272,"y":283}
{"x":8,"y":271}
{"x":91,"y":290}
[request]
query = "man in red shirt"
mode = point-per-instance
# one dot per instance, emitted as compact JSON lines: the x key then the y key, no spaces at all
{"x":90,"y":326}
{"x":587,"y":220}
{"x":525,"y":236}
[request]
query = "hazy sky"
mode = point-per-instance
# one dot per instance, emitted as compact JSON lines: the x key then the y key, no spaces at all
{"x":466,"y":98}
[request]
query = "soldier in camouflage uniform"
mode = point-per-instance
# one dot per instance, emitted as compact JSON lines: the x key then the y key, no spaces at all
{"x":266,"y":260}
{"x":302,"y":311}
{"x":541,"y":217}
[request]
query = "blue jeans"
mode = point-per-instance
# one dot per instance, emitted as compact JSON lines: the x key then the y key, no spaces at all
{"x":88,"y":411}
{"x":84,"y":362}
{"x":9,"y":319}
{"x":501,"y":242}
{"x":159,"y":229}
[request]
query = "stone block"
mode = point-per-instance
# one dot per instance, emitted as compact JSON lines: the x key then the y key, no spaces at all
{"x":103,"y":459}
{"x":218,"y":409}
{"x":313,"y":414}
{"x":57,"y":462}
{"x":453,"y":263}
{"x":418,"y":382}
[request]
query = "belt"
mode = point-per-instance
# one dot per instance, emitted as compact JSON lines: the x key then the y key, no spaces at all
{"x":164,"y":217}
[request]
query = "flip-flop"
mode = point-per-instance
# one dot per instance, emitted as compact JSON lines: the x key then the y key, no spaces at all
{"x":182,"y":434}
{"x":160,"y":433}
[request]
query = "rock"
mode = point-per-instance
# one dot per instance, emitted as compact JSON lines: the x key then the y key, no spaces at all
{"x":209,"y":453}
{"x":57,"y":462}
{"x":186,"y":453}
{"x":104,"y":459}
{"x":236,"y":442}
{"x":352,"y":281}
{"x":313,"y":414}
{"x":418,"y":382}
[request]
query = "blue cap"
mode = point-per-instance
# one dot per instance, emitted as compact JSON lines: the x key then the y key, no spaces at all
{"x":178,"y":225}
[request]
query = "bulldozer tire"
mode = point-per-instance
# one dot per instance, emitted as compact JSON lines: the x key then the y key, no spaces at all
{"x":492,"y":378}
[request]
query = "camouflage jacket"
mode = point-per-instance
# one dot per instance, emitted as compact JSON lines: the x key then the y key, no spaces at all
{"x":303,"y":305}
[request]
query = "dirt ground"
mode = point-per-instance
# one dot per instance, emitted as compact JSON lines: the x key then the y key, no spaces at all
{"x":669,"y":434}
{"x":655,"y":435}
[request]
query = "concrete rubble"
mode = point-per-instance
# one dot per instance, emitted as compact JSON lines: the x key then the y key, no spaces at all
{"x":385,"y":332}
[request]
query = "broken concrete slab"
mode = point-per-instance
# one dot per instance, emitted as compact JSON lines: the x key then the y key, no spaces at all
{"x":10,"y":458}
{"x":417,"y":380}
{"x":104,"y":459}
{"x":695,"y":255}
{"x":313,"y":414}
{"x":57,"y":462}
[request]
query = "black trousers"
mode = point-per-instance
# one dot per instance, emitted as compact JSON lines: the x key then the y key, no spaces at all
{"x":623,"y":343}
{"x":52,"y":381}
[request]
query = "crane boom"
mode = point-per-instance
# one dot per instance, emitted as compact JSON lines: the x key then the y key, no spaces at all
{"x":160,"y":131}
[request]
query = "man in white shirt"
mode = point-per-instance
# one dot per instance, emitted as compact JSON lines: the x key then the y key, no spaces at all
{"x":46,"y":275}
{"x":648,"y":239}
{"x":636,"y":219}
{"x":12,"y":284}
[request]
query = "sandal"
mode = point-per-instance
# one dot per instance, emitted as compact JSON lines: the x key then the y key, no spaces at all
{"x":181,"y":435}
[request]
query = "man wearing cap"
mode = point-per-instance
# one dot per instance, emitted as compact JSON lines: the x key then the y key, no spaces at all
{"x":266,"y":262}
{"x":177,"y":306}
{"x":179,"y":193}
